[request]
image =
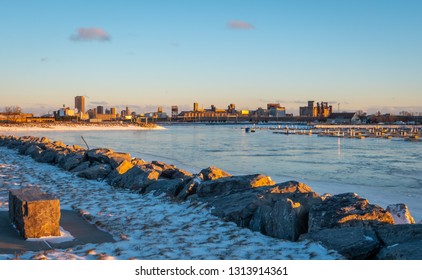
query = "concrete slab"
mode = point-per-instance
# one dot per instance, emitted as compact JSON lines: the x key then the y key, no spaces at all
{"x":79,"y":228}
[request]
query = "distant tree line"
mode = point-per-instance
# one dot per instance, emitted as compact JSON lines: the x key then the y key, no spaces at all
{"x":12,"y":113}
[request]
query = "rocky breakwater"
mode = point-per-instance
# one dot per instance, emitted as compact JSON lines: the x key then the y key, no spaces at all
{"x":291,"y":210}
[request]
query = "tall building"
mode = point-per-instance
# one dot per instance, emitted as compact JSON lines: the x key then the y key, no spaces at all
{"x":100,"y":110}
{"x":195,"y":107}
{"x":80,"y":103}
{"x":113,"y":110}
{"x":174,"y":111}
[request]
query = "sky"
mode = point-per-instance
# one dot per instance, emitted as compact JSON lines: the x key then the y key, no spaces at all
{"x":354,"y":54}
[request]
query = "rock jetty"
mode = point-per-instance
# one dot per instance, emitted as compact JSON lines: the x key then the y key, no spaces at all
{"x":291,"y":210}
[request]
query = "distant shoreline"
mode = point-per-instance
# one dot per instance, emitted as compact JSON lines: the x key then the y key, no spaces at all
{"x":74,"y":127}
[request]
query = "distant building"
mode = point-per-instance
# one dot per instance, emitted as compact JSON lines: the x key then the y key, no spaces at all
{"x":113,"y":111}
{"x":195,"y":107}
{"x":276,"y":111}
{"x":65,"y":112}
{"x":321,"y":110}
{"x":80,"y":103}
{"x":174,"y":111}
{"x":100,"y":110}
{"x":344,"y":118}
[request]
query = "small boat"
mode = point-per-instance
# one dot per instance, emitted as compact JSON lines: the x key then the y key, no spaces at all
{"x":252,"y":129}
{"x":247,"y":129}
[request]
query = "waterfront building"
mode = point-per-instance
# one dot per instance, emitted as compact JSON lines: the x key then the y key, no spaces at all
{"x":275,"y":110}
{"x":80,"y":103}
{"x":113,"y":111}
{"x":174,"y":111}
{"x":321,"y":110}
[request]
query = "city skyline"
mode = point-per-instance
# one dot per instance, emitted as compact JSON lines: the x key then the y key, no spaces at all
{"x":363,"y":55}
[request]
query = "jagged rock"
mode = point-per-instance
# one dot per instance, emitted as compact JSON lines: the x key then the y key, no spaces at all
{"x":231,"y":184}
{"x":34,"y":213}
{"x":138,"y":161}
{"x":180,"y":173}
{"x":357,"y":242}
{"x":169,"y":187}
{"x":121,"y":169}
{"x":346,"y":210}
{"x":400,"y":213}
{"x":189,"y":188}
{"x":136,"y":179}
{"x":107,"y":156}
{"x":81,"y":167}
{"x":47,"y":156}
{"x":213,"y":173}
{"x":167,"y":170}
{"x":394,"y":234}
{"x":70,"y":161}
{"x":291,"y":187}
{"x":94,"y":172}
{"x":402,"y":251}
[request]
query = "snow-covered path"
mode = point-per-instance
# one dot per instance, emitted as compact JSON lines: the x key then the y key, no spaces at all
{"x":145,"y":227}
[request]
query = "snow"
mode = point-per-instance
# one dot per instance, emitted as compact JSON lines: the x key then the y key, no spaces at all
{"x":65,"y":236}
{"x":145,"y":226}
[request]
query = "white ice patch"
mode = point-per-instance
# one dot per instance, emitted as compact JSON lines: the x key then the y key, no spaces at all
{"x":65,"y":236}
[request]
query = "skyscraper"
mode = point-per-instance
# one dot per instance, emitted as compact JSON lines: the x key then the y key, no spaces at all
{"x":80,"y":103}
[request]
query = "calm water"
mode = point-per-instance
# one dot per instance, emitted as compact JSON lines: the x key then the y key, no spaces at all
{"x":384,"y":171}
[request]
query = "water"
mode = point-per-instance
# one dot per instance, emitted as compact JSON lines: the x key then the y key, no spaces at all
{"x":384,"y":171}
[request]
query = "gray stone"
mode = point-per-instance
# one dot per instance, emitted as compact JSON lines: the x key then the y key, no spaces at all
{"x":189,"y":188}
{"x":35,"y":214}
{"x":81,"y":167}
{"x":394,"y":234}
{"x":402,"y":251}
{"x":167,"y":170}
{"x":356,"y":242}
{"x":232,"y":184}
{"x":71,"y":161}
{"x":180,"y":173}
{"x":95,"y":172}
{"x":108,"y":156}
{"x":346,"y":210}
{"x":170,"y":187}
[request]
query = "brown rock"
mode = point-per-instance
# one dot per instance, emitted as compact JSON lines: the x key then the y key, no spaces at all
{"x":34,"y":213}
{"x":213,"y":173}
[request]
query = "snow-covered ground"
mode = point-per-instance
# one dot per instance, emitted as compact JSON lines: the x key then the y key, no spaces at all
{"x":144,"y":227}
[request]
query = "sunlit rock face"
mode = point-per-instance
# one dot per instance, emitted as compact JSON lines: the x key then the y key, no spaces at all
{"x":213,"y":173}
{"x":35,"y":214}
{"x":400,"y":213}
{"x":346,"y":210}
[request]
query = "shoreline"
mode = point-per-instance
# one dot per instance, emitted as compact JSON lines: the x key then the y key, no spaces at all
{"x":74,"y":127}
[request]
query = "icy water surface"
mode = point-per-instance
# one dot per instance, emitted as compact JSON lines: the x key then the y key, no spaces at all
{"x":384,"y":171}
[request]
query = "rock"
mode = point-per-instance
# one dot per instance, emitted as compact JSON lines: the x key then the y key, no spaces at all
{"x":394,"y":234}
{"x":95,"y":172}
{"x":167,"y":170}
{"x":285,"y":220}
{"x":291,"y":187}
{"x":237,"y":207}
{"x":169,"y":187}
{"x":135,"y":179}
{"x":402,"y":251}
{"x":180,"y":173}
{"x":138,"y":161}
{"x":71,"y":161}
{"x":357,"y":242}
{"x":213,"y":173}
{"x":400,"y":213}
{"x":47,"y":156}
{"x":107,"y":156}
{"x":346,"y":210}
{"x":189,"y":188}
{"x":81,"y":167}
{"x":35,"y":214}
{"x":232,"y":184}
{"x":121,"y":169}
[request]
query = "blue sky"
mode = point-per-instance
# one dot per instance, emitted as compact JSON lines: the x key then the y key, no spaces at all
{"x":362,"y":54}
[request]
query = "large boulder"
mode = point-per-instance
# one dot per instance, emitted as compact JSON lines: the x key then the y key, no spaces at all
{"x":189,"y":188}
{"x":400,"y":213}
{"x":346,"y":210}
{"x":180,"y":173}
{"x":70,"y":161}
{"x":119,"y":170}
{"x":167,"y":170}
{"x":48,"y":156}
{"x":213,"y":173}
{"x":357,"y":242}
{"x":402,"y":251}
{"x":232,"y":184}
{"x":95,"y":172}
{"x":108,"y":156}
{"x":135,"y":179}
{"x":170,"y":187}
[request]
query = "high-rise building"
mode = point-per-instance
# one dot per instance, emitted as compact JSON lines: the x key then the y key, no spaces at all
{"x":100,"y":110}
{"x":113,"y":110}
{"x":195,"y":107}
{"x":80,"y":103}
{"x":127,"y":111}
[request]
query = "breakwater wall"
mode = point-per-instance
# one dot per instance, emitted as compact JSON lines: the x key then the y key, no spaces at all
{"x":290,"y":210}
